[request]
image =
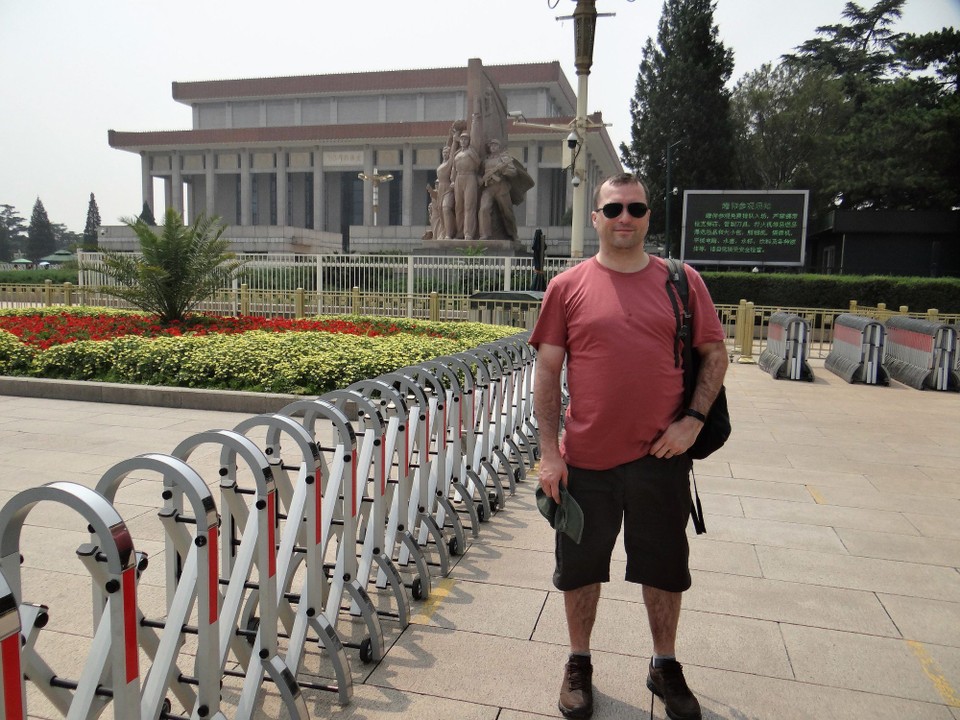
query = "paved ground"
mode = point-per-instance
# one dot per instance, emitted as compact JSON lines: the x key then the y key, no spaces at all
{"x":828,"y":584}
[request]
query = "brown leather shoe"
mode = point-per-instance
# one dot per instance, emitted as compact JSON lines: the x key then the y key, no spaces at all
{"x":576,"y":693}
{"x":667,"y":683}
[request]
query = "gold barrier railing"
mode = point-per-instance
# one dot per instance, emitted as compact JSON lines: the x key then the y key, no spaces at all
{"x":745,"y":324}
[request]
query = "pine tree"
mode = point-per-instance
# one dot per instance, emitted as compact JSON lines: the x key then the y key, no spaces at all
{"x":147,"y":215}
{"x":41,"y":240}
{"x":91,"y":231}
{"x":6,"y":250}
{"x":681,"y":101}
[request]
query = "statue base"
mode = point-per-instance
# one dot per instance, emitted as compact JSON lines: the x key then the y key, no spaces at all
{"x":489,"y":248}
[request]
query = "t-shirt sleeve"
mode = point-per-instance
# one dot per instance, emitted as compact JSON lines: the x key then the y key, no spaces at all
{"x":707,"y":327}
{"x":551,"y":327}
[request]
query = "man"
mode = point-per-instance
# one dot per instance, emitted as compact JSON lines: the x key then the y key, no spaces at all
{"x":625,"y":434}
{"x":498,"y":169}
{"x":444,"y":201}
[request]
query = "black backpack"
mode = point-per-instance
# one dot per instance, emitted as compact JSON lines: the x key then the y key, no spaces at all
{"x":716,"y":428}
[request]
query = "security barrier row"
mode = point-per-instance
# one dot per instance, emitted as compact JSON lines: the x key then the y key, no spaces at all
{"x":788,"y":349}
{"x":858,"y":347}
{"x":287,"y":542}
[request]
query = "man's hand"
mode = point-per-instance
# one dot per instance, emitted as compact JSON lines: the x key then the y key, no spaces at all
{"x":553,"y":471}
{"x":677,"y":438}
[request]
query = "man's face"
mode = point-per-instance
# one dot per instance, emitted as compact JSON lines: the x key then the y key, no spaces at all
{"x":465,"y":141}
{"x":623,"y":231}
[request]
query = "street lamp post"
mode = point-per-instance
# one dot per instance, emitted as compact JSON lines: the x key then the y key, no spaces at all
{"x":376,"y":178}
{"x":669,"y":196}
{"x":584,"y":31}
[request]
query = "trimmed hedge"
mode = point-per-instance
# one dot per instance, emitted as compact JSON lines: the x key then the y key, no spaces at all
{"x":834,"y":291}
{"x":303,"y":363}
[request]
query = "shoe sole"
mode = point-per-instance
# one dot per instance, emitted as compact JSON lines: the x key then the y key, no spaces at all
{"x":575,"y":714}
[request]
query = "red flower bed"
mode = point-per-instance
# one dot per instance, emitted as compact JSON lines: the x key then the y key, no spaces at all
{"x":44,"y":331}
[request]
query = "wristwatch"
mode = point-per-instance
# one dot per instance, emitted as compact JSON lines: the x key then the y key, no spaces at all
{"x":695,"y":414}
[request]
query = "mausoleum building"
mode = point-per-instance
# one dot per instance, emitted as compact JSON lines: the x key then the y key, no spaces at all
{"x":323,"y":163}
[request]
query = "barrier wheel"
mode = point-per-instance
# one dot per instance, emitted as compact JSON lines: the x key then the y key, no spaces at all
{"x":366,"y":651}
{"x":416,"y":589}
{"x":454,"y":546}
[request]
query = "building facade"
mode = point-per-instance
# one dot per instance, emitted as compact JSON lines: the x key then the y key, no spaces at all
{"x":280,"y":159}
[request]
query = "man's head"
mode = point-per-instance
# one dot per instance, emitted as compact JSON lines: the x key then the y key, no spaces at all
{"x":493,"y":146}
{"x":621,"y":215}
{"x":465,"y":140}
{"x":445,"y":152}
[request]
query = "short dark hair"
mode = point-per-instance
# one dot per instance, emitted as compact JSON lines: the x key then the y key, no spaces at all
{"x":621,"y":179}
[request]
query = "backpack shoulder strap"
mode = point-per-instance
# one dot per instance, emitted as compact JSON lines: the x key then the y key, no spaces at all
{"x":677,"y":278}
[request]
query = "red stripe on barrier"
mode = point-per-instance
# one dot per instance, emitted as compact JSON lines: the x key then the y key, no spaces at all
{"x":910,"y":338}
{"x":318,"y":494}
{"x":131,"y":647}
{"x":10,"y":658}
{"x":848,"y":334}
{"x":213,"y":570}
{"x":272,"y":533}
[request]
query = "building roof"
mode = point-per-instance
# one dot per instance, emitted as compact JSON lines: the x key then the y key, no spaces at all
{"x":370,"y":82}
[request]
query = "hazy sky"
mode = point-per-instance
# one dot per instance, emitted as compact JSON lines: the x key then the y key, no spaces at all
{"x":70,"y":70}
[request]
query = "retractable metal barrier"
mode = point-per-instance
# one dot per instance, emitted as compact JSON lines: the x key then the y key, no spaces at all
{"x":253,"y":579}
{"x":192,"y":575}
{"x":13,"y":704}
{"x":788,"y":347}
{"x":857,"y":352}
{"x":922,"y":354}
{"x":414,"y":515}
{"x":249,"y":542}
{"x":302,"y":584}
{"x":111,"y":670}
{"x":445,"y":486}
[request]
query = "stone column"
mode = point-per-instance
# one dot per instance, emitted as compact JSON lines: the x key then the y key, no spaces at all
{"x":146,"y":183}
{"x":209,"y":161}
{"x":281,"y":187}
{"x":246,"y":186}
{"x":368,"y":186}
{"x":319,"y":217}
{"x":177,"y":179}
{"x":533,"y":168}
{"x":406,"y":192}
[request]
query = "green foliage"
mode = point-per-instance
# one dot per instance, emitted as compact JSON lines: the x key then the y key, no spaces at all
{"x":13,"y":229}
{"x":681,"y":96}
{"x":40,"y":237}
{"x":15,"y":357}
{"x":898,"y":143}
{"x":834,"y":291}
{"x":178,"y":267}
{"x":57,"y":275}
{"x":300,"y":362}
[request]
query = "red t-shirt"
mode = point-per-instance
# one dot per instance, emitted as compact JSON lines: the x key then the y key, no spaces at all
{"x":619,"y":331}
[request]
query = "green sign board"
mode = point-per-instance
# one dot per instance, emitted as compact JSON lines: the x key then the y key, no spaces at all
{"x":744,"y":227}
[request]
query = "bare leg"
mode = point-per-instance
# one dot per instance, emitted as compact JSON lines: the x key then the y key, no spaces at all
{"x":581,"y":607}
{"x":663,"y":613}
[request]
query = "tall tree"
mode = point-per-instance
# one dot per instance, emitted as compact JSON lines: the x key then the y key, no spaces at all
{"x":6,"y":249}
{"x":147,"y":215}
{"x":900,"y":144}
{"x":15,"y":226}
{"x":681,"y":100}
{"x":786,"y":119}
{"x":91,"y":231}
{"x":41,"y":239}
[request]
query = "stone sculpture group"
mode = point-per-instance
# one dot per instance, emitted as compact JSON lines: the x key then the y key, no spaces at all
{"x":474,"y":195}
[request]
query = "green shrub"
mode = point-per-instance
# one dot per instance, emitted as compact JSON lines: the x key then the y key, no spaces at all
{"x":15,"y":357}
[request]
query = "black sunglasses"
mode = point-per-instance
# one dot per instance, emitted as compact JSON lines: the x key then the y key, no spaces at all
{"x":613,"y":210}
